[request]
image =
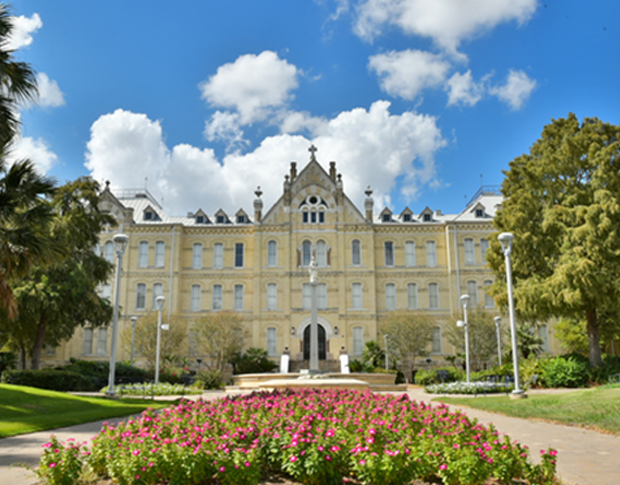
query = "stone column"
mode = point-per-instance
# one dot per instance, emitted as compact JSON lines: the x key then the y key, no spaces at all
{"x":314,"y":326}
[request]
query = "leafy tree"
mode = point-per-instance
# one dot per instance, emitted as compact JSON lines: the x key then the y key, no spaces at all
{"x":572,"y":335}
{"x":57,"y":297}
{"x":482,"y":336}
{"x":562,"y":203}
{"x":219,"y":336}
{"x":253,"y":360}
{"x":410,"y":335}
{"x":173,"y":340}
{"x":373,"y":355}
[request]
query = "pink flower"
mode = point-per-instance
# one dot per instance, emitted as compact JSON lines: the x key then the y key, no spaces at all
{"x":222,"y":469}
{"x":52,"y":465}
{"x":247,"y":463}
{"x":362,"y":462}
{"x":293,"y":459}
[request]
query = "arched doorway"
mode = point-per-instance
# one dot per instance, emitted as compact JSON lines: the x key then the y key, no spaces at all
{"x":322,"y":343}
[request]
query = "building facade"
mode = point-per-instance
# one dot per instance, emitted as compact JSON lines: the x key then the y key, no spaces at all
{"x":369,"y":264}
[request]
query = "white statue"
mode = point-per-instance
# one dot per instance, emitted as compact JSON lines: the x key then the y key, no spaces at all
{"x":312,"y":269}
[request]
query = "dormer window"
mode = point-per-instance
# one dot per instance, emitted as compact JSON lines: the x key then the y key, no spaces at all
{"x":241,"y":219}
{"x":201,"y":219}
{"x":151,"y":216}
{"x":220,"y":219}
{"x":386,"y":218}
{"x":479,"y":213}
{"x":406,"y":217}
{"x":427,"y":217}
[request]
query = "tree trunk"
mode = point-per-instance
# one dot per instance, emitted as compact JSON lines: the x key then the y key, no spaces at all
{"x":594,"y":338}
{"x":22,"y":351}
{"x":37,"y":348}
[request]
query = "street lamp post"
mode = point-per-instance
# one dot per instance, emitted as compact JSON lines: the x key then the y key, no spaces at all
{"x":465,"y":302}
{"x":505,"y":239}
{"x":387,"y":360}
{"x":120,"y":242}
{"x":160,"y":306}
{"x":134,"y":320}
{"x":498,"y":321}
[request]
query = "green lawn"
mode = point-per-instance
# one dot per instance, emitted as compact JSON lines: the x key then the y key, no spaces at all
{"x":27,"y":409}
{"x":597,"y":408}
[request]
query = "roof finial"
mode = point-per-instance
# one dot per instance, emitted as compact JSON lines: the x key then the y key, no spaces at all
{"x":313,"y":150}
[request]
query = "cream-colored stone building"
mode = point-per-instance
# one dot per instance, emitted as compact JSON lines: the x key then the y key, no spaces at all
{"x":369,"y":263}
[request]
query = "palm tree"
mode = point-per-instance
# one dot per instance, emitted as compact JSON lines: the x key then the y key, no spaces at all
{"x":24,"y":210}
{"x":18,"y":83}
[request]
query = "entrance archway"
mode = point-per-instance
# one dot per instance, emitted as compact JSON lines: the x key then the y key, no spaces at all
{"x":322,"y":342}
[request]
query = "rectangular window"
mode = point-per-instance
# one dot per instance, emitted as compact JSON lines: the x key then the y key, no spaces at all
{"x":106,"y":291}
{"x":194,"y":304}
{"x":431,"y":254}
{"x":356,"y":252}
{"x":388,"y":247}
{"x":436,"y":341}
{"x":216,"y":303}
{"x":470,"y":254}
{"x":238,"y":301}
{"x":160,"y":251}
{"x":433,"y":296}
{"x":305,"y":217}
{"x":358,"y":340}
{"x":140,"y":296}
{"x":313,"y":217}
{"x":272,"y":296}
{"x":102,"y":341}
{"x":197,"y":256}
{"x":321,"y":296}
{"x":306,"y":296}
{"x":143,"y":254}
{"x":390,"y":296}
{"x":472,"y":291}
{"x":412,"y":296}
{"x":543,"y":333}
{"x":484,"y":245}
{"x":108,"y":251}
{"x":158,"y":290}
{"x":321,"y":217}
{"x":272,"y":253}
{"x":321,"y":254}
{"x":356,"y":296}
{"x":87,"y":342}
{"x":489,"y":302}
{"x":410,"y":253}
{"x":272,"y":335}
{"x":238,"y":255}
{"x":218,"y":256}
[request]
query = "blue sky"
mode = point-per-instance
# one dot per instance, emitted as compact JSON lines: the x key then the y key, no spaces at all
{"x":208,"y":99}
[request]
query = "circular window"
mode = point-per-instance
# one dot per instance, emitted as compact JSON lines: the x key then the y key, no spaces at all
{"x":313,"y":200}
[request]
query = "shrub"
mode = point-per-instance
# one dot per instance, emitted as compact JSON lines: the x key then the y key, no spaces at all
{"x":611,"y":365}
{"x":209,"y":379}
{"x":99,"y":372}
{"x":469,"y":388}
{"x":8,"y":361}
{"x":253,"y":361}
{"x":51,"y":379}
{"x":426,"y":377}
{"x":565,"y":372}
{"x":151,"y":389}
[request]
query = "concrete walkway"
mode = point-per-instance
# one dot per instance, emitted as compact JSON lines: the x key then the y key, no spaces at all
{"x":584,"y":457}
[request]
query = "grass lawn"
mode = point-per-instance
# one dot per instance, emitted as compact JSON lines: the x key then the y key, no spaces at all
{"x":27,"y":409}
{"x":596,"y":408}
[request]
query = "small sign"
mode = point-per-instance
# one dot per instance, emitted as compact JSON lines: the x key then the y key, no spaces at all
{"x":165,"y":326}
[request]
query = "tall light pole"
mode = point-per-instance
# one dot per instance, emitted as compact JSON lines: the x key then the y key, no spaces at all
{"x":159,"y":301}
{"x":120,"y":243}
{"x":498,"y":321}
{"x":465,"y":302}
{"x":134,"y":320}
{"x":505,"y":239}
{"x":387,"y":360}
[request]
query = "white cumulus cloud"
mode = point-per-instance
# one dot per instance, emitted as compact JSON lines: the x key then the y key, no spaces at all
{"x":23,"y":28}
{"x":370,"y":146}
{"x":463,"y":90}
{"x":446,"y":22}
{"x":252,"y":85}
{"x":225,"y":126}
{"x":406,"y":73}
{"x":517,"y":89}
{"x":50,"y":94}
{"x":35,"y":150}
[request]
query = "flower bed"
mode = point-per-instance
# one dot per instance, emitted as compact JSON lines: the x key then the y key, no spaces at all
{"x":150,"y":389}
{"x":480,"y":387}
{"x":313,"y":436}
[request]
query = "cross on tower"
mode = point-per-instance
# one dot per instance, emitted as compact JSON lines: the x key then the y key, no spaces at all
{"x":312,"y":150}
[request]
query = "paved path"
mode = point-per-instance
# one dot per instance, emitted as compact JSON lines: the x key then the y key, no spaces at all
{"x":584,"y":457}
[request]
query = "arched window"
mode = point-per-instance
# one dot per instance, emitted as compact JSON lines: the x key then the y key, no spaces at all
{"x":160,"y":251}
{"x":143,"y":254}
{"x":356,"y":252}
{"x":306,"y":253}
{"x":409,"y":253}
{"x":431,"y":254}
{"x":356,"y":296}
{"x":197,"y":256}
{"x":412,"y":296}
{"x":194,"y":304}
{"x":433,"y":296}
{"x":321,"y":253}
{"x":108,"y":251}
{"x":470,"y":254}
{"x":358,"y":340}
{"x":158,"y":290}
{"x":472,"y":291}
{"x":272,"y":253}
{"x":272,"y":335}
{"x":390,"y":296}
